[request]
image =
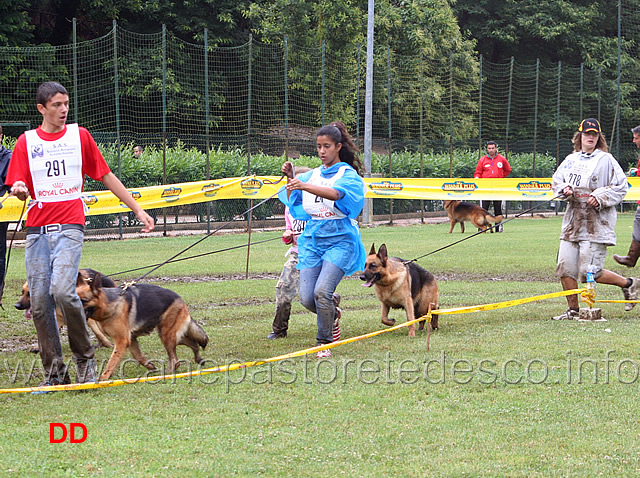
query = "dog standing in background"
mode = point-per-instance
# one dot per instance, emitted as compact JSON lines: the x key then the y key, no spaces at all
{"x":137,"y":310}
{"x":400,"y":284}
{"x":460,"y":211}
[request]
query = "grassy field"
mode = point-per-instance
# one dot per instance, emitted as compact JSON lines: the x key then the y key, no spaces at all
{"x":501,"y":393}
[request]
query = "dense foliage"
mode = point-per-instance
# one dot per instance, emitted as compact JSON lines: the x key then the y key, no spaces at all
{"x":189,"y":164}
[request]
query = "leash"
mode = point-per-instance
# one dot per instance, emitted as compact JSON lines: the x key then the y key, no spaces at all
{"x":193,"y":257}
{"x":126,"y":285}
{"x":559,"y":196}
{"x":6,"y":265}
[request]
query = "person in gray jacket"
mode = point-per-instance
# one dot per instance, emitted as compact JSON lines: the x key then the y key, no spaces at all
{"x":593,"y":184}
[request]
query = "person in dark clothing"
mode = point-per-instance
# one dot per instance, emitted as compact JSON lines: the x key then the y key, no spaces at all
{"x":5,"y":157}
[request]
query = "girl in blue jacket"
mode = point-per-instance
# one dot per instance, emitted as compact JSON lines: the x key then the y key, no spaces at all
{"x":330,"y":198}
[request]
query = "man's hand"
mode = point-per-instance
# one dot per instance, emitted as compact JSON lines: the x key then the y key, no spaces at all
{"x":144,"y":218}
{"x":20,"y":190}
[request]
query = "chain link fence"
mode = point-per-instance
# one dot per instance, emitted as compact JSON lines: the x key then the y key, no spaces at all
{"x":160,"y":92}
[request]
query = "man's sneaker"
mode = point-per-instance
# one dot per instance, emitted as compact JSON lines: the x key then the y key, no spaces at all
{"x":86,"y":372}
{"x":631,"y":293}
{"x":273,"y":335}
{"x":499,"y":228}
{"x":569,"y":314}
{"x":336,"y":325}
{"x":323,"y":354}
{"x":49,"y":383}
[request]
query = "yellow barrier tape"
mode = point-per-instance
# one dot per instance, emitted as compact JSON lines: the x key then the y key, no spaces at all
{"x":589,"y":296}
{"x":261,"y":187}
{"x":618,"y":301}
{"x":299,"y":353}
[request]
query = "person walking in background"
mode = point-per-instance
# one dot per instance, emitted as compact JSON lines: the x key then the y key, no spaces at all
{"x":49,"y":164}
{"x":329,"y":198}
{"x":593,"y":184}
{"x":493,"y":165}
{"x":5,"y":157}
{"x":631,"y":258}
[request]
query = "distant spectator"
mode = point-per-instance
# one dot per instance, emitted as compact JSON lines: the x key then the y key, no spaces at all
{"x":137,"y":151}
{"x":493,"y":165}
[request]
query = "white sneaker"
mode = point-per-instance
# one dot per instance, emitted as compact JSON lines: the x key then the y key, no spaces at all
{"x":323,"y":353}
{"x":569,"y":314}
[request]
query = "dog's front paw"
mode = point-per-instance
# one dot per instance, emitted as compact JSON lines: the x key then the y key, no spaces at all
{"x":388,"y":321}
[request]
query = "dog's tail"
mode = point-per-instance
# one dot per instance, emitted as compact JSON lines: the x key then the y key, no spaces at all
{"x":494,"y":219}
{"x":197,"y":333}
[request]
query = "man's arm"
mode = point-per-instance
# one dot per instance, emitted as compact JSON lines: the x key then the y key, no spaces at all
{"x":478,"y":173}
{"x":506,"y":168}
{"x":111,"y":181}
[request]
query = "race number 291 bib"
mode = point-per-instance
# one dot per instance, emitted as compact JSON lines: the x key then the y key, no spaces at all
{"x":56,"y":166}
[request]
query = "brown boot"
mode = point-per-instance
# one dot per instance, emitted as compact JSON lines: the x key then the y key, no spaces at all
{"x":632,"y":256}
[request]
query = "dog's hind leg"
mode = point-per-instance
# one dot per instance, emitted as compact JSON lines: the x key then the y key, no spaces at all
{"x":192,"y":344}
{"x":139,"y":356}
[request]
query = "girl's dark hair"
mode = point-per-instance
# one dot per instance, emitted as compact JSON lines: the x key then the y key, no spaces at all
{"x":337,"y":131}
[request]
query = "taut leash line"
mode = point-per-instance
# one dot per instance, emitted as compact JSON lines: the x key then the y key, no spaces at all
{"x":559,"y":196}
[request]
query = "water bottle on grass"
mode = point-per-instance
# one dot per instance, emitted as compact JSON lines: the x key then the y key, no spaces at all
{"x":591,"y":278}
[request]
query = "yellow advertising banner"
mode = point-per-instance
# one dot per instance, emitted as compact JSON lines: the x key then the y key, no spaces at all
{"x":262,"y":187}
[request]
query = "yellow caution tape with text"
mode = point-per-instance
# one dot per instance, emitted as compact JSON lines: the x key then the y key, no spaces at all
{"x":299,"y":353}
{"x":262,"y":187}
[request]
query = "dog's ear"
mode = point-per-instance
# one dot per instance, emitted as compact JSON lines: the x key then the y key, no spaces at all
{"x":382,"y":253}
{"x":80,"y":281}
{"x":373,"y":249}
{"x":96,"y":283}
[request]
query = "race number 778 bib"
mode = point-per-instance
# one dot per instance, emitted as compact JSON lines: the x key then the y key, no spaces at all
{"x":578,"y":171}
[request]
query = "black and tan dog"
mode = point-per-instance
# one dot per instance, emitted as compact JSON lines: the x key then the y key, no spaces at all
{"x":460,"y":211}
{"x":138,"y":310}
{"x":401,"y":285}
{"x":24,"y":303}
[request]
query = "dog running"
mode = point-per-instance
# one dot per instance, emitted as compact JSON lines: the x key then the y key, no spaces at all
{"x":24,"y":303}
{"x":137,"y":310}
{"x":401,"y":285}
{"x":460,"y":211}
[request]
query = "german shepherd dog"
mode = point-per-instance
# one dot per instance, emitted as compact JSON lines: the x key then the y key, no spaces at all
{"x":460,"y":211}
{"x":24,"y":303}
{"x":137,"y":310}
{"x":401,"y":285}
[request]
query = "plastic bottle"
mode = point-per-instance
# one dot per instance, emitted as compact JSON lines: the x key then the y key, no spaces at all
{"x":591,"y":277}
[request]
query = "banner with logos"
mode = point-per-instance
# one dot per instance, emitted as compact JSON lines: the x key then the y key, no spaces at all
{"x":262,"y":187}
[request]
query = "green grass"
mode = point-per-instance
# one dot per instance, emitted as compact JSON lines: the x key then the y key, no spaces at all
{"x":501,"y":393}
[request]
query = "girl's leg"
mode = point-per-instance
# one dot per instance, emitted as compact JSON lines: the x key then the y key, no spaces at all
{"x":326,"y":284}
